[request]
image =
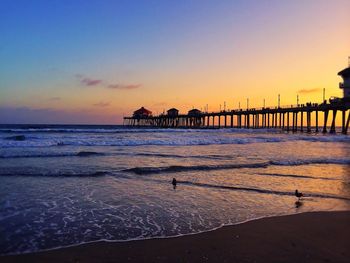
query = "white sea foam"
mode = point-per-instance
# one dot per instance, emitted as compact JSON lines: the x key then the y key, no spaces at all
{"x":165,"y":139}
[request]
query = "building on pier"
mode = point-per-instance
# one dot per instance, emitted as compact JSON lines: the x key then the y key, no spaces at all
{"x":194,"y":113}
{"x":173,"y":112}
{"x":345,"y":85}
{"x":142,"y":113}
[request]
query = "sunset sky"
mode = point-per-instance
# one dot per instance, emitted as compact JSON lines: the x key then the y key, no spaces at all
{"x":95,"y":61}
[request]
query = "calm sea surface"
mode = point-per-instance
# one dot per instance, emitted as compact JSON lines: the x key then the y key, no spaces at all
{"x":66,"y":185}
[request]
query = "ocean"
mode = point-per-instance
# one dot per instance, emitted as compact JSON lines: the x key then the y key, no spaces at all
{"x":63,"y":185}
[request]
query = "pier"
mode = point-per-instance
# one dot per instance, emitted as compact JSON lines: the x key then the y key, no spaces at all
{"x":293,"y":118}
{"x":309,"y":117}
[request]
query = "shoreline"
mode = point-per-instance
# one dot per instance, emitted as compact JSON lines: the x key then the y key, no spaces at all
{"x":160,"y":237}
{"x":303,"y":237}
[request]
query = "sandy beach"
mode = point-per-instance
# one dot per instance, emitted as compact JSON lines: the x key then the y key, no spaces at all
{"x":307,"y":237}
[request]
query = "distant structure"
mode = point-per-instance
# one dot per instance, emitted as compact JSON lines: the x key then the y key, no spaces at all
{"x":142,"y":113}
{"x":173,"y":112}
{"x":299,"y":117}
{"x":345,"y":85}
{"x":194,"y":113}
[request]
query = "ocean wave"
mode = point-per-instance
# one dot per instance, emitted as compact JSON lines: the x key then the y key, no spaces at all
{"x":164,"y":155}
{"x":310,"y":161}
{"x":58,"y":174}
{"x":16,"y":138}
{"x":261,"y":191}
{"x":129,"y":140}
{"x":52,"y":155}
{"x":297,"y":176}
{"x":88,"y":153}
{"x":179,"y":168}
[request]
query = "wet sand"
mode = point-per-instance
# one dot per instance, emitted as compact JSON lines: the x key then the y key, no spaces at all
{"x":308,"y":237}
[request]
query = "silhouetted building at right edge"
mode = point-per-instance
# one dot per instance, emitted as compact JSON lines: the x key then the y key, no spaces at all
{"x":345,"y":85}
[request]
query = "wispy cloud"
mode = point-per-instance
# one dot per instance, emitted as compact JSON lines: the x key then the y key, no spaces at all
{"x":123,"y":86}
{"x":308,"y":91}
{"x":102,"y":104}
{"x":90,"y":82}
{"x":87,"y":81}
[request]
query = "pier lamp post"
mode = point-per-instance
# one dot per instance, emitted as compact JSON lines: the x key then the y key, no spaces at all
{"x":224,"y":105}
{"x":220,"y":107}
{"x":324,"y":94}
{"x":279,"y":100}
{"x":264,"y":103}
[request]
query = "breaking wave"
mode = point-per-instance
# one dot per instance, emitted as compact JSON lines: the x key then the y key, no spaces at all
{"x":50,"y":155}
{"x":178,"y":168}
{"x":261,"y":191}
{"x":57,"y":174}
{"x":311,"y":161}
{"x":164,"y":141}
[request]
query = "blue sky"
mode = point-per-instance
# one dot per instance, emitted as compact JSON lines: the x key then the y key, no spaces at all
{"x":161,"y":54}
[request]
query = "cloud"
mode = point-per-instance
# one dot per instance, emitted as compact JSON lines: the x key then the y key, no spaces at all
{"x":90,"y":82}
{"x":86,"y":81}
{"x":54,"y":99}
{"x":307,"y":91}
{"x":102,"y":104}
{"x":124,"y":87}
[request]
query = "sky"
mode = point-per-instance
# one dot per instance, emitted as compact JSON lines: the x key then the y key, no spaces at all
{"x":93,"y":62}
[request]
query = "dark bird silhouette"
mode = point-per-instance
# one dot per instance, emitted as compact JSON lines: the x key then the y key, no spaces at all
{"x":298,"y":194}
{"x":174,"y":182}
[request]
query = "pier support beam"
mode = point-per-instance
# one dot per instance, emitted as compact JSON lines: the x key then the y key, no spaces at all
{"x":276,"y":120}
{"x":343,"y":122}
{"x":302,"y":121}
{"x":308,"y":121}
{"x":325,"y":121}
{"x":333,"y":121}
{"x":347,"y":124}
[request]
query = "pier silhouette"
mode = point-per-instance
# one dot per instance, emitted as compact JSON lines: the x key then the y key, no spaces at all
{"x":300,"y":117}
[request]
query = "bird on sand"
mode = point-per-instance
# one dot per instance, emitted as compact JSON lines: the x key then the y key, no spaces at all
{"x":174,"y":182}
{"x":298,"y":194}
